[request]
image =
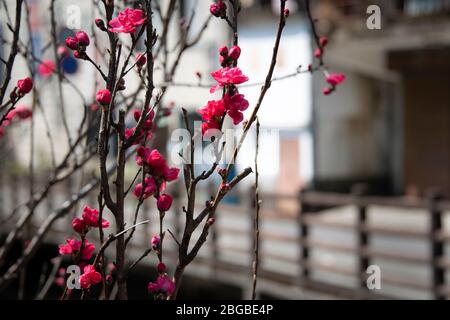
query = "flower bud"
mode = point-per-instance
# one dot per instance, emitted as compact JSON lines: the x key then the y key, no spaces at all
{"x":211,"y":221}
{"x":318,"y":53}
{"x":224,"y":187}
{"x":223,"y":51}
{"x":155,"y":242}
{"x":327,"y":91}
{"x":82,"y":38}
{"x":24,"y":86}
{"x":164,"y":202}
{"x":323,"y":41}
{"x":235,"y":52}
{"x":218,"y":9}
{"x":103,"y":97}
{"x":141,"y":60}
{"x":161,"y":267}
{"x":71,"y":43}
{"x":62,"y":52}
{"x":100,"y":24}
{"x":286,"y":13}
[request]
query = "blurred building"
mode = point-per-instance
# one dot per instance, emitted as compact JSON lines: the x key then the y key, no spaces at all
{"x":389,"y":123}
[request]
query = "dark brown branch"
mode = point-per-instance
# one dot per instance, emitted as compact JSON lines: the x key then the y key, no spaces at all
{"x":14,"y":50}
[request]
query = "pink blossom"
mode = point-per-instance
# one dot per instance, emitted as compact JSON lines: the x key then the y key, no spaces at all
{"x":23,"y":112}
{"x":91,"y":216}
{"x":227,"y":76}
{"x":103,"y":97}
{"x":148,"y":188}
{"x":79,"y":225}
{"x":318,"y":53}
{"x":148,"y":122}
{"x":24,"y":85}
{"x":72,"y":247}
{"x":209,"y":125}
{"x":286,"y":13}
{"x":62,"y":52}
{"x":94,"y":107}
{"x":46,"y":68}
{"x":60,"y":281}
{"x":164,"y":202}
{"x":157,"y":161}
{"x":163,"y":285}
{"x":323,"y":41}
{"x":335,"y":78}
{"x":127,"y":21}
{"x":89,"y":277}
{"x":171,"y":174}
{"x":213,"y":110}
{"x":234,"y":106}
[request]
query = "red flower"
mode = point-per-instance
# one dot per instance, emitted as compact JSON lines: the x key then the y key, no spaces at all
{"x":213,"y":110}
{"x":234,"y":106}
{"x":46,"y":68}
{"x":79,"y":225}
{"x":156,"y":161}
{"x":91,"y":216}
{"x":335,"y":78}
{"x":127,"y":21}
{"x":72,"y":247}
{"x":171,"y":174}
{"x":89,"y":277}
{"x":227,"y":76}
{"x":103,"y":97}
{"x":323,"y":41}
{"x":25,"y":85}
{"x":164,"y":202}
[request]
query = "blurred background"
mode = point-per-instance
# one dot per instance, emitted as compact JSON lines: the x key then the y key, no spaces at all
{"x":349,"y":180}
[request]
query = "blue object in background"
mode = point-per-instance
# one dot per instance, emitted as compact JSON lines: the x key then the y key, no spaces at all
{"x":69,"y":65}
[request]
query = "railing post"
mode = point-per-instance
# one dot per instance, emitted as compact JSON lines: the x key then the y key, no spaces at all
{"x":358,"y":191}
{"x":437,"y":245}
{"x":303,"y":239}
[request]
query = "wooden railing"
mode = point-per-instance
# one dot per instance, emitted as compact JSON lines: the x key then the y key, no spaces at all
{"x":289,"y":239}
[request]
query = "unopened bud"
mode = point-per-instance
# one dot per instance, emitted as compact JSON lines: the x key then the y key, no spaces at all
{"x":211,"y":221}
